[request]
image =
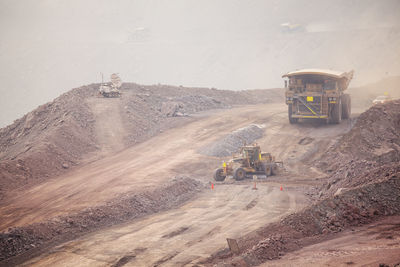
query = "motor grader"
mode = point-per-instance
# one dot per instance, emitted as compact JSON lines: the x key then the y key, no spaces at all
{"x":251,"y":161}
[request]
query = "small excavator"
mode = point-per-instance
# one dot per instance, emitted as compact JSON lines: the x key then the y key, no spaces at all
{"x":250,"y":162}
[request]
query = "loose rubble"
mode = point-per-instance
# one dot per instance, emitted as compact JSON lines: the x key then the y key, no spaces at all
{"x":59,"y":135}
{"x":233,"y":141}
{"x":60,"y":229}
{"x":363,"y":186}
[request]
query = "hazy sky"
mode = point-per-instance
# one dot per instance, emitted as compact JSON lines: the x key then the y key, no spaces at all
{"x":50,"y":46}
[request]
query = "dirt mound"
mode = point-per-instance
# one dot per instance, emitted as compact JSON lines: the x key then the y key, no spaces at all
{"x":363,"y":185}
{"x":75,"y":127}
{"x":364,"y":95}
{"x":46,"y":141}
{"x":354,"y":207}
{"x":233,"y":141}
{"x":35,"y":237}
{"x":372,"y":142}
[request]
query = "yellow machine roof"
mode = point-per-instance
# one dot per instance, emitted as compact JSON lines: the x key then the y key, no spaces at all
{"x":330,"y":73}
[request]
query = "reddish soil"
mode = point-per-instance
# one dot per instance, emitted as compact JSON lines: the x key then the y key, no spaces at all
{"x":361,"y":183}
{"x":17,"y":240}
{"x":373,"y":142}
{"x":69,"y":131}
{"x":363,"y":186}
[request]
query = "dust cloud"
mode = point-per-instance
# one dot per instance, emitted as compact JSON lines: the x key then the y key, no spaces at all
{"x":48,"y":47}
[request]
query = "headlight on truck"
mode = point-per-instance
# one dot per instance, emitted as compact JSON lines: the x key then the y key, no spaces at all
{"x":331,"y":98}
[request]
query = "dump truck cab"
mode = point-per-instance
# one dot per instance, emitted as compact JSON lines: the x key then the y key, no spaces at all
{"x":318,"y":94}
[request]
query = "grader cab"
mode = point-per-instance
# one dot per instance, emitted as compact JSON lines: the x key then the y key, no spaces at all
{"x":251,"y":161}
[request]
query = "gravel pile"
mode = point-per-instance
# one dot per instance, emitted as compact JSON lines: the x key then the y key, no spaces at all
{"x":233,"y":141}
{"x":354,"y":207}
{"x":57,"y":136}
{"x":363,"y":186}
{"x":374,"y":141}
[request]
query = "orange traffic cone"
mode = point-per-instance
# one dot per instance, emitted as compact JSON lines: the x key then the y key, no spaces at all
{"x":255,"y":186}
{"x":212,"y":186}
{"x":281,"y":188}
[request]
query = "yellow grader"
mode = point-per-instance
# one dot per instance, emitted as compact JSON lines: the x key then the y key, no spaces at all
{"x":250,"y":162}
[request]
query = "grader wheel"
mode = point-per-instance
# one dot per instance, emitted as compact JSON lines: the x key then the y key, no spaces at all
{"x":219,"y":175}
{"x":239,"y":174}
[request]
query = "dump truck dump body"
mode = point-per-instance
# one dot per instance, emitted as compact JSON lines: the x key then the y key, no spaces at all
{"x":315,"y":93}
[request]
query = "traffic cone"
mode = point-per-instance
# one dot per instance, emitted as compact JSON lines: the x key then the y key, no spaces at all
{"x":255,"y":186}
{"x":281,"y":188}
{"x":212,"y":186}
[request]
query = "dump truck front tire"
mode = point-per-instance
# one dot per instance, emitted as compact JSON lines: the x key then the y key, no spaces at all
{"x":291,"y":119}
{"x":239,"y":174}
{"x":219,"y":175}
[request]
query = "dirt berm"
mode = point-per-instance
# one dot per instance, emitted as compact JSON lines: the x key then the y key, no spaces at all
{"x":363,"y":186}
{"x":79,"y":126}
{"x":373,"y":142}
{"x":36,"y":237}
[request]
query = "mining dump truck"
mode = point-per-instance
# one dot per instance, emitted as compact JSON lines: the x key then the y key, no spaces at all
{"x":111,"y":89}
{"x":318,"y":94}
{"x":250,"y":162}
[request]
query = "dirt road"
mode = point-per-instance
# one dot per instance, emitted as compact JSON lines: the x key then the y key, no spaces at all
{"x":171,"y":153}
{"x":370,"y":245}
{"x":183,"y":235}
{"x":109,"y":127}
{"x":201,"y":226}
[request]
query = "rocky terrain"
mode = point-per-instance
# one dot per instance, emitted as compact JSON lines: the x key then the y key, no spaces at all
{"x":38,"y":236}
{"x":363,"y":185}
{"x":373,"y":144}
{"x":231,"y":143}
{"x":81,"y":148}
{"x":59,"y":135}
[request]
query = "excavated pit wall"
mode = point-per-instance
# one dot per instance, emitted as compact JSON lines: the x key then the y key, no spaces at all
{"x":355,"y":207}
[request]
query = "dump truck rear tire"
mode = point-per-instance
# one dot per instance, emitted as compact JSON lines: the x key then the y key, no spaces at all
{"x":219,"y":175}
{"x":239,"y":174}
{"x":336,"y":113}
{"x":291,"y":119}
{"x":346,"y":106}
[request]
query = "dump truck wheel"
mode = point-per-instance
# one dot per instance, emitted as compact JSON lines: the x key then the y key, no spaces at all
{"x":239,"y":174}
{"x":336,"y":113}
{"x":346,"y":106}
{"x":291,"y":119}
{"x":219,"y":175}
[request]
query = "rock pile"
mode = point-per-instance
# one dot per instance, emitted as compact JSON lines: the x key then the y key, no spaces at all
{"x":363,"y":185}
{"x":373,"y":142}
{"x":60,"y":229}
{"x":233,"y":141}
{"x":59,"y":135}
